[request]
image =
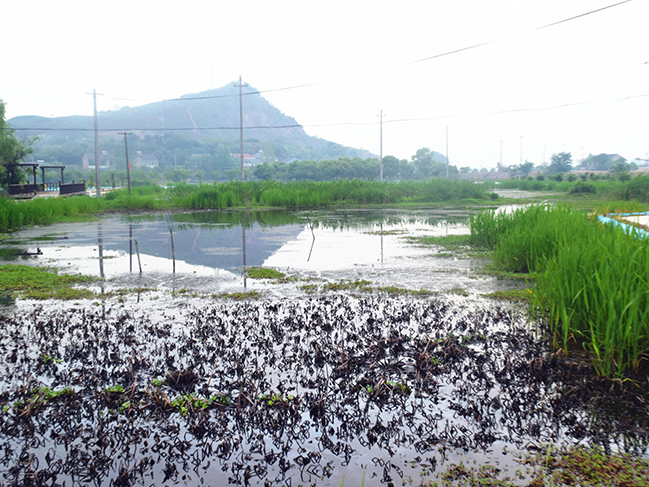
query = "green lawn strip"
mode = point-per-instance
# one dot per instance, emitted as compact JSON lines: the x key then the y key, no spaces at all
{"x":42,"y":283}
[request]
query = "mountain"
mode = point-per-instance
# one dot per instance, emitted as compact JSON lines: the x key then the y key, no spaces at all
{"x":208,"y":115}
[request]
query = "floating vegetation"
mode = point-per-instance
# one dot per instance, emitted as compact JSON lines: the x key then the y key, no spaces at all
{"x":263,"y":273}
{"x":41,"y":283}
{"x":294,"y":392}
{"x":238,"y":296}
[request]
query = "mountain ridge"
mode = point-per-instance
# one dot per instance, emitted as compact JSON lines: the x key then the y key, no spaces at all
{"x":211,"y":114}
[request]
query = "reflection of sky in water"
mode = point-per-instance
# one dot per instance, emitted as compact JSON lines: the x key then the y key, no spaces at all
{"x":209,"y":254}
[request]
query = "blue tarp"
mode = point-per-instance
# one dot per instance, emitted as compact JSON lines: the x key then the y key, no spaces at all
{"x":628,"y":229}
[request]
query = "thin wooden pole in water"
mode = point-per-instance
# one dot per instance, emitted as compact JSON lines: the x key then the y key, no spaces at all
{"x":137,"y":250}
{"x":173,"y":252}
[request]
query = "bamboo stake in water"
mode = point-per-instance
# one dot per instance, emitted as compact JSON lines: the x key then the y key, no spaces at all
{"x":173,"y":252}
{"x":137,"y":250}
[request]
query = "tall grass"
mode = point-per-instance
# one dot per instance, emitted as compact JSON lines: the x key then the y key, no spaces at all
{"x":273,"y":194}
{"x":42,"y":211}
{"x":311,"y":194}
{"x":592,"y":280}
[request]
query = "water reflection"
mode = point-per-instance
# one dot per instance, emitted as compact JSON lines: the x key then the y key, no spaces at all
{"x":219,"y":244}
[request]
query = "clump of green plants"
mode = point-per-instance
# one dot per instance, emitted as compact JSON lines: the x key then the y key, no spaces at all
{"x":591,"y":279}
{"x":41,"y":283}
{"x":276,"y":398}
{"x":48,"y":359}
{"x":239,"y":296}
{"x":400,"y":387}
{"x":115,"y":389}
{"x":263,"y":273}
{"x":38,"y":398}
{"x":185,"y":403}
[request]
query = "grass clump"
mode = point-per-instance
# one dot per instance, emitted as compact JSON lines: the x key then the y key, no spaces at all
{"x":40,"y":283}
{"x":573,"y":466}
{"x":38,"y":398}
{"x":591,"y":279}
{"x":240,"y":296}
{"x":263,"y":273}
{"x":521,"y":295}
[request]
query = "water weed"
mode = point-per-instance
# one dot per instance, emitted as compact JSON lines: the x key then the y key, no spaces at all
{"x":41,"y":283}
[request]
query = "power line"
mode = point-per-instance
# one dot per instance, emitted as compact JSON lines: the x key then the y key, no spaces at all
{"x":486,"y":43}
{"x":336,"y":124}
{"x":429,"y":58}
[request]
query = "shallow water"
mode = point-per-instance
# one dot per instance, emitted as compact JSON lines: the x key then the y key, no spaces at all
{"x":318,"y":389}
{"x":395,"y":387}
{"x":212,"y":248}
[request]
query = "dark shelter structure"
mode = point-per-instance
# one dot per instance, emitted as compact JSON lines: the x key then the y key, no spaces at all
{"x":29,"y":190}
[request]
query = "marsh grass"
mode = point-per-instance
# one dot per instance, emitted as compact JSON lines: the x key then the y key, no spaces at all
{"x":592,"y":280}
{"x":237,"y":194}
{"x":240,"y":296}
{"x":554,"y":467}
{"x":42,"y":283}
{"x":263,"y":273}
{"x":311,"y":194}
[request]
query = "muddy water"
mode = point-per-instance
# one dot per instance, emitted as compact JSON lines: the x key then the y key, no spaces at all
{"x":317,"y":387}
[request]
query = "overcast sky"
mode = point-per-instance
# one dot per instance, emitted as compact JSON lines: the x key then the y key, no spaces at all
{"x":358,"y":58}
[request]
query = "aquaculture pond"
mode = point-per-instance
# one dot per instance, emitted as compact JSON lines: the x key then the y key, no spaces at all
{"x":211,"y":249}
{"x":296,"y":387}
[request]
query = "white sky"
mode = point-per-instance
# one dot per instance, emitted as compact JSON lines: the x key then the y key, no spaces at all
{"x":140,"y":51}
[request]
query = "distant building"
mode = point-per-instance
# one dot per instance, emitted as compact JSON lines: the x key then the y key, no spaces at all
{"x":290,"y":160}
{"x":248,"y":160}
{"x":144,"y":160}
{"x":106,"y":161}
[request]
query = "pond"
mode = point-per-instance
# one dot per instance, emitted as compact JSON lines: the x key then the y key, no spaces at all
{"x":291,"y":389}
{"x":212,"y":248}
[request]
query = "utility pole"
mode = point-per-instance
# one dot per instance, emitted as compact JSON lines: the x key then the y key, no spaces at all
{"x":241,"y":85}
{"x":447,"y":161}
{"x":97,"y":178}
{"x":501,"y":153}
{"x":381,"y":149}
{"x":128,"y":163}
{"x":521,"y":137}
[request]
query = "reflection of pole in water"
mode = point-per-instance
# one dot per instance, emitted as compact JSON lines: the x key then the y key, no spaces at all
{"x":100,"y":243}
{"x":130,"y":246}
{"x":381,"y":243}
{"x":243,"y":238}
{"x":312,"y":241}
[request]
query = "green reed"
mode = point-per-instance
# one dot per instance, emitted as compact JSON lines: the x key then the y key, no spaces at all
{"x":312,"y":194}
{"x":42,"y":211}
{"x":592,"y":280}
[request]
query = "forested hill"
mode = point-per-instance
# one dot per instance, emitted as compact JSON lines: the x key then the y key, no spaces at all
{"x":209,"y":115}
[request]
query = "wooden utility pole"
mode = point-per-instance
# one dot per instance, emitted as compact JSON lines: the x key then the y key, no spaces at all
{"x":97,"y":178}
{"x":128,"y":163}
{"x":447,"y":161}
{"x":381,"y":150}
{"x":240,"y":86}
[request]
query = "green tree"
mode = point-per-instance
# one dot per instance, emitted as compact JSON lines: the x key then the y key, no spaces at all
{"x":526,"y":168}
{"x":264,"y":171}
{"x":561,"y":162}
{"x":423,"y":162}
{"x":12,"y":150}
